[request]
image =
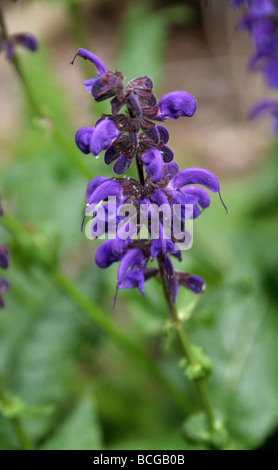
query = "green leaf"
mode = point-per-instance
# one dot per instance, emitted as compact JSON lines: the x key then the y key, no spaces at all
{"x":242,"y":342}
{"x":79,"y":431}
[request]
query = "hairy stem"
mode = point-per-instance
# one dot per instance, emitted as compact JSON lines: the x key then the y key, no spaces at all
{"x":19,"y":431}
{"x":185,"y":344}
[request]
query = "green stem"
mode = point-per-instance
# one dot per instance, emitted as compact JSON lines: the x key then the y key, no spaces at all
{"x":94,"y":312}
{"x":185,"y":344}
{"x":36,"y":108}
{"x":22,"y":437}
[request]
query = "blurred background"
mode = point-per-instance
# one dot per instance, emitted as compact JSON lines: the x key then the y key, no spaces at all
{"x":63,"y":349}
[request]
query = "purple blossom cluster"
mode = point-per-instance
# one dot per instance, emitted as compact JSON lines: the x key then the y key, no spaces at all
{"x":133,"y":133}
{"x":260,"y":19}
{"x":4,"y":264}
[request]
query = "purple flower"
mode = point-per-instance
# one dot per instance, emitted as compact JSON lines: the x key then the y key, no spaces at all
{"x":176,"y":104}
{"x":104,"y":135}
{"x":83,"y":138}
{"x":153,"y":163}
{"x":131,"y":270}
{"x":26,"y":40}
{"x":96,"y":139}
{"x":104,"y":190}
{"x":195,"y":176}
{"x":105,"y":255}
{"x":191,"y":282}
{"x":87,"y":55}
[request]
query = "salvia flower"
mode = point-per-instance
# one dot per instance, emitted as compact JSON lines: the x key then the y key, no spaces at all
{"x":133,"y":132}
{"x":260,"y":19}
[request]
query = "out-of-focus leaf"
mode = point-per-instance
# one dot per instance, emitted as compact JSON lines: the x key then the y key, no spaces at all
{"x":79,"y":431}
{"x":242,"y":342}
{"x":144,"y":35}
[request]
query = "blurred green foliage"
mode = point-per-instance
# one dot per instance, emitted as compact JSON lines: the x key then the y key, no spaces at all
{"x":77,"y":388}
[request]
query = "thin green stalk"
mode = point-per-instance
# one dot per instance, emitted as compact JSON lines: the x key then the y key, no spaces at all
{"x":93,"y":311}
{"x":19,"y":431}
{"x":36,"y":108}
{"x":185,"y":344}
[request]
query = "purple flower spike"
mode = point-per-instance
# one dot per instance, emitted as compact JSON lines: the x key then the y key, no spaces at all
{"x":83,"y":138}
{"x":153,"y":163}
{"x":195,"y":176}
{"x":176,"y":104}
{"x":105,"y":134}
{"x":87,"y":55}
{"x":105,"y":256}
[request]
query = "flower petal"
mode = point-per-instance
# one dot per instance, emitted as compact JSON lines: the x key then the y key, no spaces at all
{"x":120,"y":165}
{"x":105,"y":256}
{"x":153,"y":163}
{"x":27,"y":40}
{"x":195,"y":176}
{"x":176,"y":104}
{"x":83,"y":138}
{"x":167,"y":154}
{"x":131,"y":270}
{"x":191,"y":282}
{"x":93,"y":184}
{"x":88,"y":84}
{"x":104,"y":190}
{"x":163,"y":133}
{"x":87,"y":55}
{"x":105,"y":134}
{"x":202,"y":196}
{"x":171,"y":169}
